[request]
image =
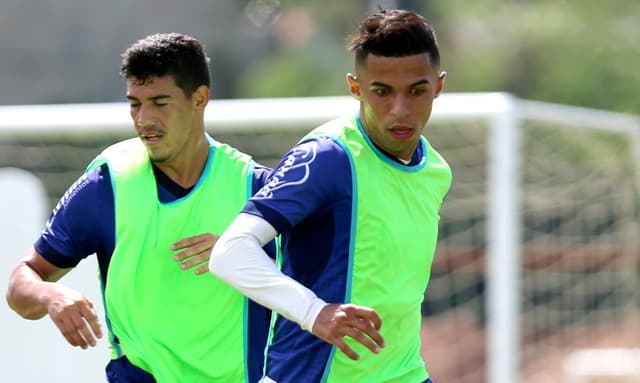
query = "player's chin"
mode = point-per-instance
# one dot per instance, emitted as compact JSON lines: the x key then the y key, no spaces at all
{"x":159,"y":158}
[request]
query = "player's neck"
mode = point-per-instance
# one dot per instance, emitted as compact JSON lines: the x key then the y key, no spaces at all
{"x":187,"y":168}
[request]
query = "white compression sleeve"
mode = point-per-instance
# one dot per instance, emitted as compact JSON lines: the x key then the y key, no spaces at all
{"x":238,"y":259}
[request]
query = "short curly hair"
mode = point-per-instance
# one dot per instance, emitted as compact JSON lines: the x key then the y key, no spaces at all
{"x":174,"y":54}
{"x":394,"y":33}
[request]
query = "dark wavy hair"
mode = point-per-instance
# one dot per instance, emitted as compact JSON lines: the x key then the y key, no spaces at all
{"x":174,"y":54}
{"x":394,"y":33}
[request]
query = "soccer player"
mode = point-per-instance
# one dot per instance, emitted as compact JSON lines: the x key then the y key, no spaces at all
{"x":357,"y":203}
{"x":139,"y":205}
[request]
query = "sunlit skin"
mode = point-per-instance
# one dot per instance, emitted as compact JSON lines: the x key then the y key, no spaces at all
{"x":171,"y":126}
{"x":396,"y":96}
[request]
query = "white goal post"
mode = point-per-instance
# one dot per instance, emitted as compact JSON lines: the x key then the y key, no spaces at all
{"x":502,"y":115}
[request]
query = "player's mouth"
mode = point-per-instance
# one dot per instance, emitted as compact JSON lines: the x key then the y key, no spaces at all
{"x":401,"y":132}
{"x":151,"y":138}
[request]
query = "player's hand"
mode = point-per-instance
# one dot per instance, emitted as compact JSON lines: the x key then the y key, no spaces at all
{"x":362,"y":324}
{"x":75,"y":317}
{"x":196,"y":251}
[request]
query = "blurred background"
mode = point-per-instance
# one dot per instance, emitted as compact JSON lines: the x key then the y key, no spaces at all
{"x":578,"y":279}
{"x":579,"y":52}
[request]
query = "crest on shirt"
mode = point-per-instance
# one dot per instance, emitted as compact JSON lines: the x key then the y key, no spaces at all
{"x":293,"y":169}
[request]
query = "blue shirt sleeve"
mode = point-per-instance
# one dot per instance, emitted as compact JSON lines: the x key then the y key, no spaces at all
{"x":260,"y":177}
{"x":82,"y":223}
{"x":310,"y":177}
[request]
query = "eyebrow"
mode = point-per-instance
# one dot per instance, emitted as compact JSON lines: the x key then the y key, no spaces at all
{"x":381,"y":84}
{"x":154,"y":98}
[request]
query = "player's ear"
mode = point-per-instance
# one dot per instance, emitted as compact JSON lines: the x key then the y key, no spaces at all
{"x":440,"y":82}
{"x":200,"y":96}
{"x":354,"y":86}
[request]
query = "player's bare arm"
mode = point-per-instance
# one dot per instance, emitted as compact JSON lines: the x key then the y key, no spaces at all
{"x":195,"y":251}
{"x":362,"y":324}
{"x":33,"y":293}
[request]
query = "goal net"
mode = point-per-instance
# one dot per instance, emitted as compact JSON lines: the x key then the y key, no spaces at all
{"x":574,"y":269}
{"x":539,"y":253}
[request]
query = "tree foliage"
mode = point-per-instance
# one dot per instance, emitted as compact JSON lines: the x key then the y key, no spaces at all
{"x":584,"y":53}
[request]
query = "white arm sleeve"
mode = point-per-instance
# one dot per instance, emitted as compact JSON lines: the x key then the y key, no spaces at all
{"x":238,"y":259}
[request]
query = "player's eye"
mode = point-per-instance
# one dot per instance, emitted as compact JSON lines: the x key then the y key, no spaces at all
{"x":381,"y":91}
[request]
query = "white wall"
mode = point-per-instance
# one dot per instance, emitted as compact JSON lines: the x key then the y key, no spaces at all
{"x":35,"y":351}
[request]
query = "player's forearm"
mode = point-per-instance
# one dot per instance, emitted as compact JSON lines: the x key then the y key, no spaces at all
{"x":239,"y":260}
{"x":27,"y":294}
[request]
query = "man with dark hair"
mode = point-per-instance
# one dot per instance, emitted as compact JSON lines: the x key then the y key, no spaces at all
{"x":140,"y":207}
{"x":357,"y":203}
